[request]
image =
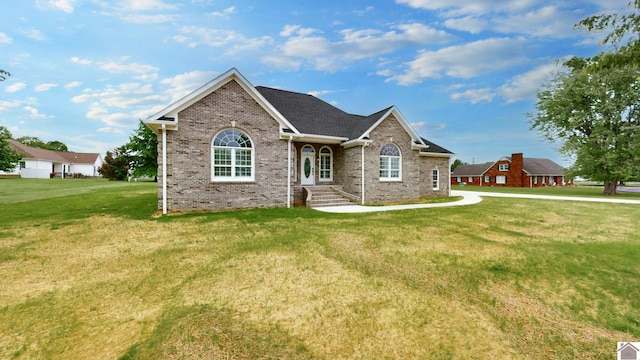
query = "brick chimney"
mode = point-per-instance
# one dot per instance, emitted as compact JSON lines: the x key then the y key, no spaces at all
{"x":517,"y":163}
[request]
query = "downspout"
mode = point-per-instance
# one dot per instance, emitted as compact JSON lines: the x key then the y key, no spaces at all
{"x":164,"y":169}
{"x":289,"y":171}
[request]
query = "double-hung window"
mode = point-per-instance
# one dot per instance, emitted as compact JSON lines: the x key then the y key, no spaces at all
{"x":435,"y":179}
{"x":390,"y":163}
{"x":232,"y":156}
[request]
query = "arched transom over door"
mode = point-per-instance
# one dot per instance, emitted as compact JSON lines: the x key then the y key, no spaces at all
{"x":307,"y":165}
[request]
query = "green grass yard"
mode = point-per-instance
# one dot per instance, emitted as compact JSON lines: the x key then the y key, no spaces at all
{"x":89,"y":271}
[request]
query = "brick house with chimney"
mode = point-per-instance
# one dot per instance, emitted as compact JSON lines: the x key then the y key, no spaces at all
{"x":511,"y":171}
{"x":232,"y":145}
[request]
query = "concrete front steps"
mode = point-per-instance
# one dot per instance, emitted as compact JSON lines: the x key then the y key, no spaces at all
{"x":321,"y":196}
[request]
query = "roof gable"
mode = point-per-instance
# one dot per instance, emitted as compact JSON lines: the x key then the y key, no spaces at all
{"x":169,"y":115}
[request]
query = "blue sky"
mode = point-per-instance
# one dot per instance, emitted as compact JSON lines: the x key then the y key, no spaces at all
{"x":465,"y":75}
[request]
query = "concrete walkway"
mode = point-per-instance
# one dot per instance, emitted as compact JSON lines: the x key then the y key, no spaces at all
{"x":469,"y":198}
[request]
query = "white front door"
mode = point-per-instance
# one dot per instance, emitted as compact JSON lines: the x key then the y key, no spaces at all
{"x":307,"y":165}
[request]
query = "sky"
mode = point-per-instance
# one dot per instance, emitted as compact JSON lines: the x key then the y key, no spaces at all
{"x":464,"y":73}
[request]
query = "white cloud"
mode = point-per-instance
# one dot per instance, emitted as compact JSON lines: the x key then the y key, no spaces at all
{"x":475,"y":96}
{"x":234,"y":42}
{"x":5,"y":39}
{"x":7,"y":105}
{"x":549,"y":21}
{"x":290,"y":30}
{"x":424,"y":125}
{"x":73,"y":84}
{"x":224,"y":13}
{"x":110,"y":130}
{"x":148,"y":19}
{"x":182,"y":84}
{"x":325,"y":54}
{"x":34,"y":34}
{"x":35,"y":114}
{"x":100,"y":113}
{"x":145,"y":5}
{"x":15,"y":87}
{"x":63,"y":5}
{"x":466,"y":7}
{"x":119,"y":68}
{"x":124,"y":96}
{"x":77,"y":60}
{"x":464,"y":61}
{"x":318,"y":93}
{"x":44,"y":87}
{"x":471,"y":24}
{"x":525,"y":86}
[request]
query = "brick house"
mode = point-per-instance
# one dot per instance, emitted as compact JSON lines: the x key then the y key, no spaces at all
{"x":230,"y":145}
{"x":513,"y":171}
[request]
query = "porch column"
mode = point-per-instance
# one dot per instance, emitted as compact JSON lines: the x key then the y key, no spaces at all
{"x":362,"y":173}
{"x":289,"y":171}
{"x":164,"y":169}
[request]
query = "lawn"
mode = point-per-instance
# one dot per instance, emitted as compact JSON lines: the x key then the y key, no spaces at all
{"x":90,"y":271}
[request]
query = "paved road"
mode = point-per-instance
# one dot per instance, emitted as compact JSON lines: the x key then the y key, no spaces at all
{"x":469,"y":198}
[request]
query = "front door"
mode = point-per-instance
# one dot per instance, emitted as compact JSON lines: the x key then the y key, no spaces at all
{"x":307,"y":165}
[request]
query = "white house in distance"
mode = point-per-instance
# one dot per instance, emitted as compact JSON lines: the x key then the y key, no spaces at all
{"x":41,"y":163}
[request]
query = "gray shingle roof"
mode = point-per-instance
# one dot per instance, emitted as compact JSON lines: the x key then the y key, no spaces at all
{"x":536,"y":166}
{"x":434,"y":148}
{"x":314,"y":116}
{"x":309,"y":114}
{"x":471,"y":169}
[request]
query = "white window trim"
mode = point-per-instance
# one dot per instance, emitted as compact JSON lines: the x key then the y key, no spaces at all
{"x":388,"y":158}
{"x":435,"y":183}
{"x":487,"y":179}
{"x":320,"y":156}
{"x":503,"y":167}
{"x":499,"y":177}
{"x":233,"y":177}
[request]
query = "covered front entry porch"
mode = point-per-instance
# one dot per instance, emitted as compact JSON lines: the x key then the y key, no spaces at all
{"x":318,"y":173}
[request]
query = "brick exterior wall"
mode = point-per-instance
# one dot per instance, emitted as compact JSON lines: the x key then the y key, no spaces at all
{"x":189,"y":185}
{"x":416,"y":169}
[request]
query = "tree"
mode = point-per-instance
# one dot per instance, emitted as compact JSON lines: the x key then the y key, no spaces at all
{"x":456,"y":163}
{"x":37,"y":143}
{"x":621,"y":25}
{"x":116,"y":164}
{"x":9,"y":158}
{"x":56,"y":146}
{"x":593,"y":109}
{"x":143,"y":150}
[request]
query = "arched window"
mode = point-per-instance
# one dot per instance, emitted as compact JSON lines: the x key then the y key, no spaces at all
{"x":326,"y":164}
{"x":390,"y":163}
{"x":232,"y":156}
